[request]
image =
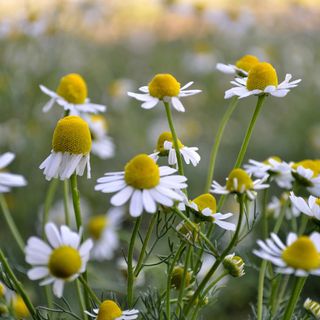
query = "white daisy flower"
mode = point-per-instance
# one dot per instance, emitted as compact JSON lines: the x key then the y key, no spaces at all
{"x":62,"y":260}
{"x":71,"y":145}
{"x":103,"y":230}
{"x":145,"y":183}
{"x":311,"y":207}
{"x":163,"y":87}
{"x":262,"y":79}
{"x":165,"y":147}
{"x":9,"y":180}
{"x":71,"y":94}
{"x":110,"y":310}
{"x":299,"y":256}
{"x":276,"y":205}
{"x":239,"y":182}
{"x":241,"y":67}
{"x":273,"y":167}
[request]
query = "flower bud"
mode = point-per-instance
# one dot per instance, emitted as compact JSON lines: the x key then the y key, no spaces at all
{"x":234,"y":265}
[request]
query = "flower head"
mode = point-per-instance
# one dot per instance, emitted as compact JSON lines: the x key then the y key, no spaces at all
{"x":145,"y":183}
{"x":60,"y":260}
{"x":235,"y":265}
{"x":72,"y":95}
{"x":313,"y":307}
{"x":163,"y":87}
{"x":311,"y":207}
{"x":177,"y":277}
{"x":71,"y":145}
{"x":275,"y":207}
{"x":300,"y":255}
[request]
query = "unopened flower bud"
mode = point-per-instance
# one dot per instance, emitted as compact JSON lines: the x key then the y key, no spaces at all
{"x":177,"y":277}
{"x":312,"y":307}
{"x":235,"y":265}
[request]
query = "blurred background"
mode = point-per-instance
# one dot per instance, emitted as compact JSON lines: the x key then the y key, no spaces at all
{"x":118,"y":46}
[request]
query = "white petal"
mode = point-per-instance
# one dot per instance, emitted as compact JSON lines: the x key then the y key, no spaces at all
{"x":6,"y":159}
{"x":148,"y":202}
{"x":53,"y":235}
{"x":122,"y":196}
{"x":58,"y":288}
{"x":150,"y":104}
{"x":177,"y":104}
{"x":38,"y":273}
{"x":136,"y":205}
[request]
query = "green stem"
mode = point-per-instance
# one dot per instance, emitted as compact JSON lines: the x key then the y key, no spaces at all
{"x":48,"y":295}
{"x":76,"y":200}
{"x":212,"y":284}
{"x":81,"y":300}
{"x":90,"y":291}
{"x":18,"y":286}
{"x":298,"y":286}
{"x":130,"y":262}
{"x":217,"y":141}
{"x":66,"y":202}
{"x":11,"y":224}
{"x":303,"y":224}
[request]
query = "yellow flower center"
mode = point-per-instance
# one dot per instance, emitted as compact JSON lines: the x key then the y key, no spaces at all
{"x":302,"y":254}
{"x":243,"y":183}
{"x":141,"y":172}
{"x":262,"y":75}
{"x":96,"y":226}
{"x":276,"y":158}
{"x":64,"y":262}
{"x":19,"y":307}
{"x":109,"y":310}
{"x":313,"y":165}
{"x":164,"y":85}
{"x":72,"y":135}
{"x":73,"y":88}
{"x":318,"y":201}
{"x":206,"y":200}
{"x":247,"y":62}
{"x":166,"y":136}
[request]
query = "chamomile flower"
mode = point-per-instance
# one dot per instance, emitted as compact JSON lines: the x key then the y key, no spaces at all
{"x":241,"y":67}
{"x":273,"y":167}
{"x":145,"y":183}
{"x":72,"y":95}
{"x":163,"y":87}
{"x":9,"y":180}
{"x":262,"y":79}
{"x":62,"y":260}
{"x":103,"y":231}
{"x":311,"y":207}
{"x":71,"y":145}
{"x":300,"y":255}
{"x":165,"y":148}
{"x":240,"y":182}
{"x":110,"y":310}
{"x":276,"y":206}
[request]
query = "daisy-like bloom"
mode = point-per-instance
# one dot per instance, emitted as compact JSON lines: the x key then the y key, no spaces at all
{"x":163,"y":87}
{"x":9,"y":180}
{"x":262,"y":79}
{"x":110,"y":310}
{"x":276,"y":205}
{"x":145,"y":183}
{"x":240,"y":182}
{"x":235,"y":265}
{"x":311,"y":207}
{"x":241,"y":67}
{"x":102,"y":144}
{"x":71,"y":145}
{"x":313,"y":307}
{"x":165,"y":148}
{"x":103,"y":230}
{"x":300,"y":255}
{"x":62,"y":260}
{"x":72,"y":95}
{"x":273,"y":167}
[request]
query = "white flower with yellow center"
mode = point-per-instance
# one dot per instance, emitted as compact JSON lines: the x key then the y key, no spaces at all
{"x":71,"y":145}
{"x":62,"y":260}
{"x":145,"y":183}
{"x":241,"y":67}
{"x":311,"y":207}
{"x":273,"y":167}
{"x":110,"y":310}
{"x":276,"y":206}
{"x":72,"y":95}
{"x":163,"y":87}
{"x":240,"y":182}
{"x":9,"y":180}
{"x":300,"y":255}
{"x":165,"y":148}
{"x":102,"y":229}
{"x":262,"y":79}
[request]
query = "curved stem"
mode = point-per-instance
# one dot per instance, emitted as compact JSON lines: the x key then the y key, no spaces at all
{"x":81,"y":300}
{"x":217,"y":141}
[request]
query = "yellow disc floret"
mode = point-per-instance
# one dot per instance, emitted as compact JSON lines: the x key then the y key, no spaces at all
{"x":302,"y":254}
{"x":206,"y":200}
{"x":96,"y":226}
{"x":141,"y":172}
{"x":247,"y":62}
{"x":72,"y":135}
{"x":164,"y":85}
{"x":73,"y":88}
{"x":109,"y":310}
{"x":239,"y":181}
{"x":262,"y":75}
{"x":64,"y":262}
{"x":166,"y":136}
{"x":19,"y":308}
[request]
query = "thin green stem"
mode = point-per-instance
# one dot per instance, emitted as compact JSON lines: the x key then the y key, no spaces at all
{"x":81,"y":300}
{"x":297,"y":288}
{"x":303,"y":224}
{"x":214,"y":282}
{"x":282,"y":214}
{"x":11,"y":224}
{"x":48,"y":295}
{"x":76,"y":200}
{"x":130,"y":262}
{"x":90,"y":291}
{"x":66,"y":202}
{"x":217,"y":141}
